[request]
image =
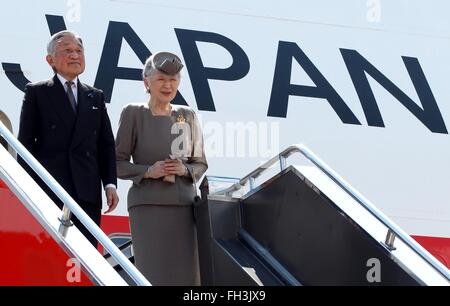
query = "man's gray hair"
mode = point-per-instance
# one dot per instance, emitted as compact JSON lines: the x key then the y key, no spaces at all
{"x":51,"y":46}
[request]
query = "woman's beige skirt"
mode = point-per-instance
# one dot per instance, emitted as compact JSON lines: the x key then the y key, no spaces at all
{"x":165,"y":244}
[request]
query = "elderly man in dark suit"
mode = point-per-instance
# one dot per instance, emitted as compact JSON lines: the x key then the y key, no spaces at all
{"x":65,"y":125}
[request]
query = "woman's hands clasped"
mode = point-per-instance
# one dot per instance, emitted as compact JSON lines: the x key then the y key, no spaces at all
{"x":155,"y":171}
{"x":164,"y":168}
{"x":175,"y":166}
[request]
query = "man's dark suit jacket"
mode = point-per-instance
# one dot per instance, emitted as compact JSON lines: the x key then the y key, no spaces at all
{"x":77,"y":149}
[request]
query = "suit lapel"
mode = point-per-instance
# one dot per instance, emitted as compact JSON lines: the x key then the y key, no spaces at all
{"x":60,"y":102}
{"x":82,"y":119}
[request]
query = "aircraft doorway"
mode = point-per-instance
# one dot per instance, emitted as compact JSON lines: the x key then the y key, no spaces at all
{"x":5,"y":120}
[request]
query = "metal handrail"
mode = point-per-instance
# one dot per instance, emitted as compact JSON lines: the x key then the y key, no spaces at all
{"x":74,"y":207}
{"x":252,"y":176}
{"x":302,"y":149}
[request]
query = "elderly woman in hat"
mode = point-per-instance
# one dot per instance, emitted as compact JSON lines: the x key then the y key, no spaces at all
{"x":166,"y":147}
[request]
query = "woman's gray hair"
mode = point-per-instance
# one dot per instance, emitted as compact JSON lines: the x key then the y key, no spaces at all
{"x":53,"y":42}
{"x":149,"y":69}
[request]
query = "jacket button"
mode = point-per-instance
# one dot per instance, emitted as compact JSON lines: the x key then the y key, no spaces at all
{"x":88,"y":154}
{"x":53,"y":126}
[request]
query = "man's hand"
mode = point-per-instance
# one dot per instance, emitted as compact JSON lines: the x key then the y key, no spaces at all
{"x":112,"y":199}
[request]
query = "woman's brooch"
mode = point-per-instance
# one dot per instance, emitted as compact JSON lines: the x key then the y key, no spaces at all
{"x":180,"y":119}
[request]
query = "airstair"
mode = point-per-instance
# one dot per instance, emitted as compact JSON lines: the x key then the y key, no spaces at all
{"x":40,"y":246}
{"x":304,"y":225}
{"x":292,"y":225}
